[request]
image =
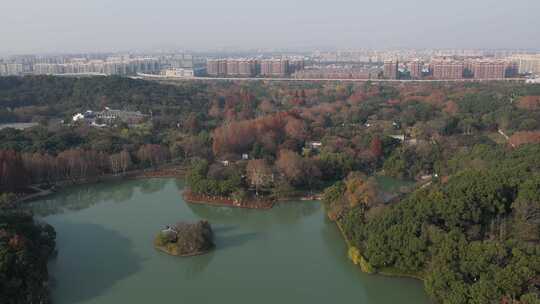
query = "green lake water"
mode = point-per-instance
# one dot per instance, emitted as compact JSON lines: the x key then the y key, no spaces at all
{"x":290,"y":254}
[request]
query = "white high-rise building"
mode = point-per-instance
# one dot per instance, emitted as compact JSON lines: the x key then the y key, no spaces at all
{"x":14,"y":69}
{"x":527,"y":63}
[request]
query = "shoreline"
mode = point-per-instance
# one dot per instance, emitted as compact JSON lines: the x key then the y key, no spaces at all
{"x":164,"y":250}
{"x":166,"y":171}
{"x":301,"y":197}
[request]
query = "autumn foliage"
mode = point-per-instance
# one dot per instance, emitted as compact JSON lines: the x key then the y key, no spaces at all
{"x":290,"y":166}
{"x":359,"y":190}
{"x":522,"y":138}
{"x":13,"y":175}
{"x":18,"y":170}
{"x":376,"y":147}
{"x":269,"y":131}
{"x":529,"y":103}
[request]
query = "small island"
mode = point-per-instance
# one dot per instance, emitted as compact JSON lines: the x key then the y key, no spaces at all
{"x":185,"y":239}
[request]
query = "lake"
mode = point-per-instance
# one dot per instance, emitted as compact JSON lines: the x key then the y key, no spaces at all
{"x":289,"y":254}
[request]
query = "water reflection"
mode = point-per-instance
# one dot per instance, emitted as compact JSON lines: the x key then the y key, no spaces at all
{"x":293,"y":212}
{"x":212,"y":213}
{"x":151,"y":185}
{"x":198,"y":265}
{"x":334,"y":242}
{"x":180,"y":183}
{"x":235,"y":240}
{"x":288,"y":213}
{"x":84,"y":196}
{"x":226,"y":237}
{"x":94,"y":258}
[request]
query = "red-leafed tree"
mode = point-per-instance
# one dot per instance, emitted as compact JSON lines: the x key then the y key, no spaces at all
{"x":239,"y":136}
{"x":266,"y":106}
{"x":522,"y":138}
{"x":529,"y":102}
{"x":13,"y":176}
{"x":215,"y":110}
{"x":290,"y":165}
{"x":376,"y":147}
{"x":41,"y":167}
{"x":451,"y":108}
{"x":296,"y":129}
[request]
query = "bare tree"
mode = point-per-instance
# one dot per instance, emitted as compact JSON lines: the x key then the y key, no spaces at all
{"x":115,"y":163}
{"x":125,"y":161}
{"x":259,"y":174}
{"x":290,"y":165}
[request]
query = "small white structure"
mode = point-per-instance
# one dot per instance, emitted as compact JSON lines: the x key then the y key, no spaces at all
{"x":245,"y":156}
{"x":78,"y":117}
{"x":398,"y":137}
{"x":168,"y":229}
{"x":94,"y":124}
{"x":426,"y":177}
{"x":533,"y":80}
{"x":314,"y":145}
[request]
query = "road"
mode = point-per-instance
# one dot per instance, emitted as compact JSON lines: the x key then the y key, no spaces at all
{"x":506,"y":137}
{"x":160,"y":78}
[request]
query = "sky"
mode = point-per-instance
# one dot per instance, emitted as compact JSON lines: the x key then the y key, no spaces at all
{"x":51,"y":26}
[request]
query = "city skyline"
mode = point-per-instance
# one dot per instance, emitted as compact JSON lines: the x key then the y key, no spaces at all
{"x":62,"y":26}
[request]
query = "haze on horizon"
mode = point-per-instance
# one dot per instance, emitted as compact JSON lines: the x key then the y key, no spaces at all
{"x":37,"y":26}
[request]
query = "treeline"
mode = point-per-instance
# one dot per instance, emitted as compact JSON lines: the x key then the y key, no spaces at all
{"x":34,"y":98}
{"x":25,"y":247}
{"x":18,"y":170}
{"x":473,"y":238}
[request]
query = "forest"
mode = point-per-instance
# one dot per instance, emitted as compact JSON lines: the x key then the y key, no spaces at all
{"x":25,"y":247}
{"x":472,"y":238}
{"x":470,"y":229}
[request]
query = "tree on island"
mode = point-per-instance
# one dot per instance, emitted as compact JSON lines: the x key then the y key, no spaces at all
{"x":185,"y":239}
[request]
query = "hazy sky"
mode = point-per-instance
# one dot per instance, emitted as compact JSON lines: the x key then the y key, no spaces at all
{"x":31,"y":26}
